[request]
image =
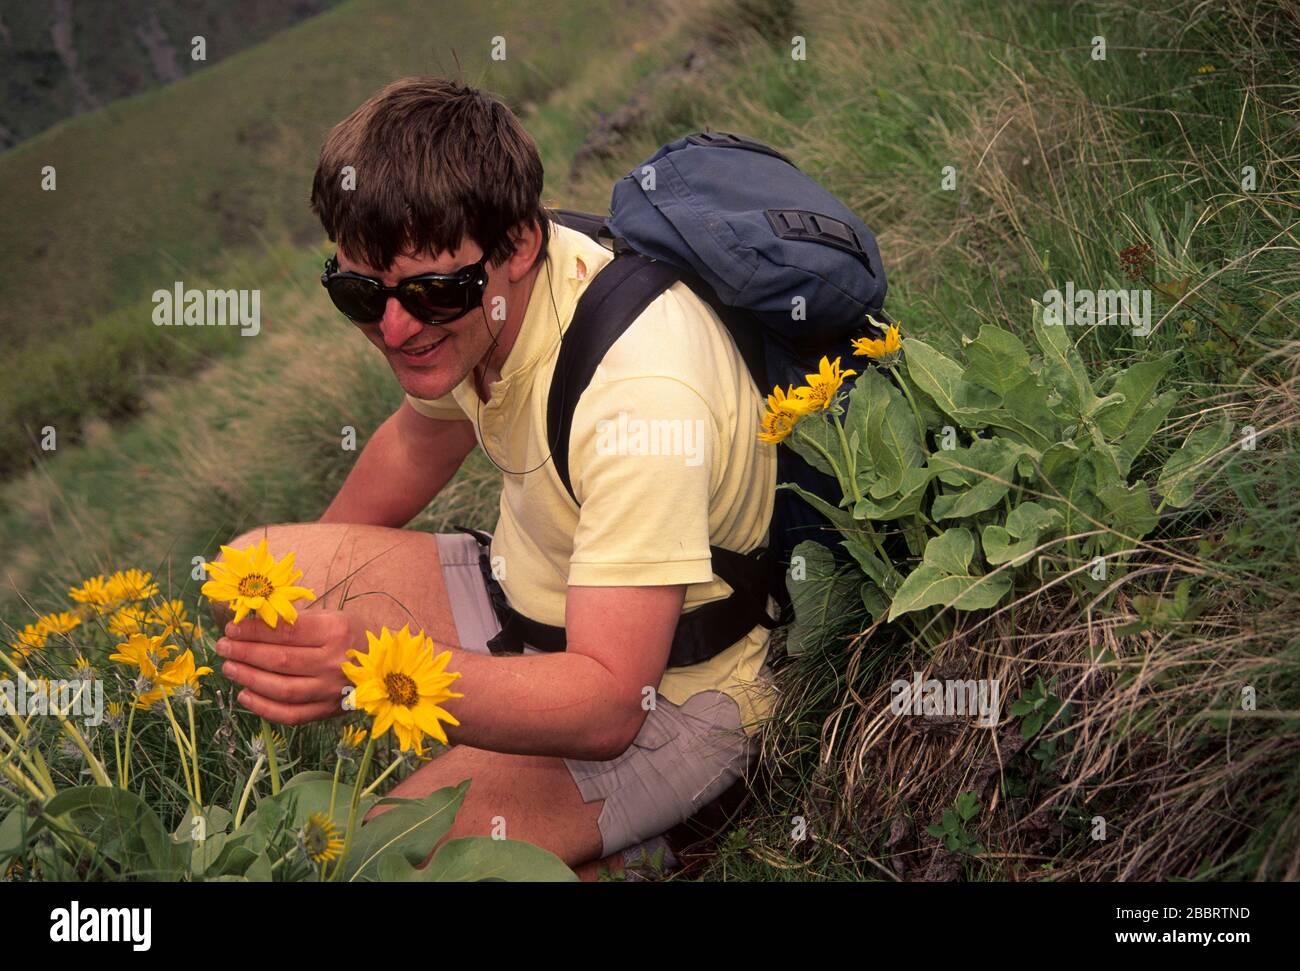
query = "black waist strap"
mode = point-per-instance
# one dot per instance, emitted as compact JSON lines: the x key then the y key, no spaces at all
{"x":701,"y":633}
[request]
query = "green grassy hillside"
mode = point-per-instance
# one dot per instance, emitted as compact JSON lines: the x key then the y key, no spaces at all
{"x":195,"y":179}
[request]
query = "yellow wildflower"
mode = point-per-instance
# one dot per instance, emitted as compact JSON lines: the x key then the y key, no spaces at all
{"x":30,"y":638}
{"x":60,"y":623}
{"x":127,"y":620}
{"x":131,"y":585}
{"x":143,"y":652}
{"x":885,"y":350}
{"x":319,"y":839}
{"x":402,"y":685}
{"x":253,"y":582}
{"x":823,"y":385}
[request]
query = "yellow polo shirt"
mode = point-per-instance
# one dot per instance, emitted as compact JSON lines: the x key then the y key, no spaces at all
{"x":663,"y":455}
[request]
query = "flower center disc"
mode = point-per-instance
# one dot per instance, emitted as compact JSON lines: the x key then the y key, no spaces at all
{"x":402,"y":689}
{"x":255,"y":585}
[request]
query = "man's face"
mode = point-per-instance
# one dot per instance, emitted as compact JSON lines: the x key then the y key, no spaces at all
{"x":429,"y":360}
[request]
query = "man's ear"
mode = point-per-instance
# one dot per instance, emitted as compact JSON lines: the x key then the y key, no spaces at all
{"x":527,"y":238}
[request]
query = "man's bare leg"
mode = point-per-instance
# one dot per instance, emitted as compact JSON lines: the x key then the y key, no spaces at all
{"x":392,"y":577}
{"x":521,"y":797}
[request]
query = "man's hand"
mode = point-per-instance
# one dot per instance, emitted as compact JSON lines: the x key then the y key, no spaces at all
{"x":292,"y":673}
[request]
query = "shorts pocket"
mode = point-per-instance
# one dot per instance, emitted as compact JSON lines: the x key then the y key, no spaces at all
{"x":660,"y":727}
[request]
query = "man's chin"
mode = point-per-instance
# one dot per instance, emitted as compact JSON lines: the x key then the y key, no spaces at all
{"x":426,"y":385}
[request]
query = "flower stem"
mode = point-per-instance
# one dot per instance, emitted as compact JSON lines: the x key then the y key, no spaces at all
{"x":916,"y":412}
{"x":356,"y":800}
{"x":382,"y":776}
{"x":194,"y":752}
{"x":850,"y":460}
{"x":18,"y":778}
{"x":125,"y":775}
{"x":270,"y":757}
{"x":46,"y":786}
{"x":334,"y":785}
{"x":180,"y":748}
{"x":248,"y":789}
{"x":96,"y":770}
{"x":817,"y":447}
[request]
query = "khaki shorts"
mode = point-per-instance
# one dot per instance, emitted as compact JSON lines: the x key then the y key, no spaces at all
{"x":683,"y":758}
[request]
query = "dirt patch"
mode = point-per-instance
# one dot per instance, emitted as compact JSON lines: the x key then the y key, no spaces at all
{"x":609,"y":135}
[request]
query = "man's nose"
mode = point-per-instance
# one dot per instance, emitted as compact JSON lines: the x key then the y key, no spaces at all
{"x":397,"y":325}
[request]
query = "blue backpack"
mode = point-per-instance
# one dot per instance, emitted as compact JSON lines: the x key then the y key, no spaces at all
{"x":757,"y":240}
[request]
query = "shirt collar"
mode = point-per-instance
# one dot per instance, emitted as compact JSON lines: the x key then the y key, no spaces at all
{"x":570,"y":260}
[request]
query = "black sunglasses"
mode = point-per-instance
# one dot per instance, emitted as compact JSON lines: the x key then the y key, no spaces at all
{"x":432,"y":298}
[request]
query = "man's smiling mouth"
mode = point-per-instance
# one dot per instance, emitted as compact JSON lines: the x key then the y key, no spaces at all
{"x":423,"y":351}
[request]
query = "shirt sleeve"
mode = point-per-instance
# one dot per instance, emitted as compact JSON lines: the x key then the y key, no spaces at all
{"x":445,"y":407}
{"x":641,"y":458}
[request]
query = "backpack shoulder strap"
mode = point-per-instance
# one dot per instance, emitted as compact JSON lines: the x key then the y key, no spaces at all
{"x":622,"y":289}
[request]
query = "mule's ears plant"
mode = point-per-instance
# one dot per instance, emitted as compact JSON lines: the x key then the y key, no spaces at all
{"x":117,"y":829}
{"x":961,"y":478}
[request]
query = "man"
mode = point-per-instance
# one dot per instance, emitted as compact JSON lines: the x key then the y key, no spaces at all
{"x":598,"y":748}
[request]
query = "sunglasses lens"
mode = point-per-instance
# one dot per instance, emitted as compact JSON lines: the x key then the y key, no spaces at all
{"x":357,"y":299}
{"x":436,"y":300}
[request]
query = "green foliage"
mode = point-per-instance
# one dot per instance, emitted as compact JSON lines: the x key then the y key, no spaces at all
{"x":1040,"y":708}
{"x":88,"y":832}
{"x":952,"y":830}
{"x":1002,"y":469}
{"x":818,"y":590}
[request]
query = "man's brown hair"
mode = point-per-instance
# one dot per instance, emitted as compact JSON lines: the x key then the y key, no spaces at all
{"x":436,"y":161}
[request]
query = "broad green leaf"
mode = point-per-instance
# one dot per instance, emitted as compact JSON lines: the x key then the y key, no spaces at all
{"x":1187,"y":467}
{"x":951,"y":551}
{"x":894,"y":447}
{"x":836,"y":517}
{"x":216,"y":819}
{"x":880,"y":420}
{"x":484,"y":858}
{"x":1137,"y":384}
{"x":928,"y":587}
{"x":259,"y":871}
{"x":997,"y":360}
{"x":1070,"y":478}
{"x":1025,"y":528}
{"x":479,"y":858}
{"x":236,"y":859}
{"x":1101,"y":407}
{"x":1141,"y":430}
{"x":1030,"y":418}
{"x":124,"y":828}
{"x":906,"y":502}
{"x":12,"y":829}
{"x":940,"y":378}
{"x":1131,"y":514}
{"x":307,"y":796}
{"x":410,"y":829}
{"x":875,"y":600}
{"x":818,"y":429}
{"x":1062,"y":366}
{"x":867,"y":402}
{"x":1031,"y":518}
{"x":820,"y":598}
{"x":986,"y":470}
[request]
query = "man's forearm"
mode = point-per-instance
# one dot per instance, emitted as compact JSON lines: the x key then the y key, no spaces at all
{"x":389,"y":483}
{"x":563,"y":705}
